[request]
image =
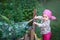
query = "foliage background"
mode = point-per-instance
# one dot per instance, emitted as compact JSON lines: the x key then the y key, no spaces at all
{"x":21,"y":11}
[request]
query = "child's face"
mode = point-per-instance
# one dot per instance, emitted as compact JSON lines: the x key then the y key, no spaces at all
{"x":45,"y":17}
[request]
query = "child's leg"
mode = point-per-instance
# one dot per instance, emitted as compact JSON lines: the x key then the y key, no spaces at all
{"x":46,"y":36}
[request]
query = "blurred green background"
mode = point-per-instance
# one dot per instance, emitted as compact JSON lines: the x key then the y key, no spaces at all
{"x":14,"y":11}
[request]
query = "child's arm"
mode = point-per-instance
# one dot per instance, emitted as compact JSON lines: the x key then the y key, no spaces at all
{"x":41,"y":24}
{"x":38,"y":17}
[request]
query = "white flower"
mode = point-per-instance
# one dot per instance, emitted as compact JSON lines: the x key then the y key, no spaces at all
{"x":10,"y":28}
{"x":9,"y":33}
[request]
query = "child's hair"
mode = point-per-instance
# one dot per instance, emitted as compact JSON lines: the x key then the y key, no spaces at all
{"x":49,"y":14}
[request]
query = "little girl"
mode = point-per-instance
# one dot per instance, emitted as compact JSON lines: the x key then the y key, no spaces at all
{"x":45,"y":23}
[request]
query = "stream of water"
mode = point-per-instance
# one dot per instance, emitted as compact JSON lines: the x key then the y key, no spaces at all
{"x":19,"y":29}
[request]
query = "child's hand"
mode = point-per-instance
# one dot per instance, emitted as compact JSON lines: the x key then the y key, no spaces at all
{"x":37,"y":24}
{"x":34,"y":23}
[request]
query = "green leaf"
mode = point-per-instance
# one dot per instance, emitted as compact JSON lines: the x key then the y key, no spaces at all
{"x":5,"y":18}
